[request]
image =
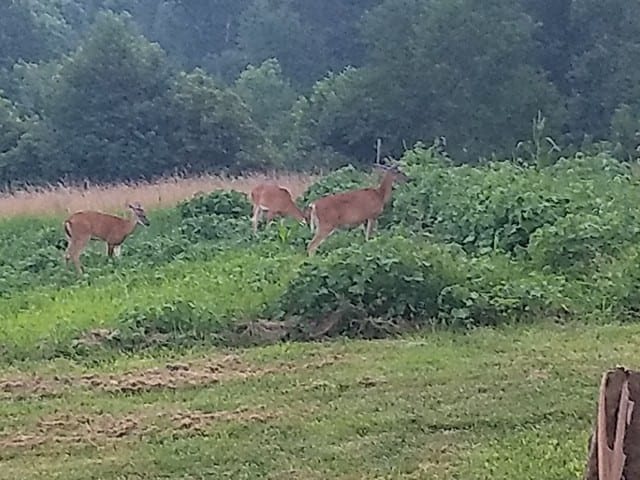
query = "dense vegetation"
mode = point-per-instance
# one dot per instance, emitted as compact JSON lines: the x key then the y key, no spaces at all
{"x":111,"y":90}
{"x":459,"y":246}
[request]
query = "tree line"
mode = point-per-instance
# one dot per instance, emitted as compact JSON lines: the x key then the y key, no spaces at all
{"x":112,"y":90}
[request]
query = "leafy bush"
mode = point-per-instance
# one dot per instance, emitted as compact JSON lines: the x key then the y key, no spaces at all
{"x":494,"y":207}
{"x":226,"y":203}
{"x":504,"y":289}
{"x":172,"y":323}
{"x":386,"y":277}
{"x":394,"y":277}
{"x":575,"y":242}
{"x":340,"y":180}
{"x":221,"y":215}
{"x":215,"y":228}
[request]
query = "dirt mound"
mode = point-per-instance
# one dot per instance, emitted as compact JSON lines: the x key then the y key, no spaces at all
{"x":341,"y":323}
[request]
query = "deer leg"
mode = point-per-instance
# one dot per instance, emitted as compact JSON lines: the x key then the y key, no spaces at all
{"x":320,"y":236}
{"x":255,"y":218}
{"x":369,"y":229}
{"x":271,"y":215}
{"x":113,"y":250}
{"x":73,"y":252}
{"x":67,"y":253}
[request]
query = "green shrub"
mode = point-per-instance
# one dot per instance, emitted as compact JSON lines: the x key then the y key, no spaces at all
{"x":575,"y":243}
{"x":511,"y":290}
{"x":395,"y":277}
{"x":174,"y":322}
{"x":225,"y":203}
{"x":484,"y":208}
{"x":340,"y":180}
{"x":385,"y":277}
{"x":215,"y":227}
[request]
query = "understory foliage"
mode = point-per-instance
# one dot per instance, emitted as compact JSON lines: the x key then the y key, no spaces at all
{"x":457,"y":246}
{"x":465,"y":245}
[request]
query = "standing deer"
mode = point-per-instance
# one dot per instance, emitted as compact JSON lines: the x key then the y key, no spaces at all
{"x":85,"y":225}
{"x":348,"y":209}
{"x":274,"y":200}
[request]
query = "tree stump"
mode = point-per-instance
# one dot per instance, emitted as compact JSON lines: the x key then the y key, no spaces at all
{"x":614,"y":446}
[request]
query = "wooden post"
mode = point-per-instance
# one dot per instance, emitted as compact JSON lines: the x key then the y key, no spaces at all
{"x":614,"y":450}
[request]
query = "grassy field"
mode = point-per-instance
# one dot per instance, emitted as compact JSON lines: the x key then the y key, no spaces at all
{"x":129,"y":371}
{"x":491,"y":404}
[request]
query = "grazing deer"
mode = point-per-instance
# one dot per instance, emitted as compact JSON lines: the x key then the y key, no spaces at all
{"x":85,"y":225}
{"x":348,"y":209}
{"x":274,"y":200}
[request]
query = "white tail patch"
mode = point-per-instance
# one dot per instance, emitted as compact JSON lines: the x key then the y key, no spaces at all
{"x":314,"y":222}
{"x":67,"y":230}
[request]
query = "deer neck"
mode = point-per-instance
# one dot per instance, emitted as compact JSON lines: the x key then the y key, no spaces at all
{"x":297,"y":213}
{"x":385,"y":188}
{"x":132,"y":223}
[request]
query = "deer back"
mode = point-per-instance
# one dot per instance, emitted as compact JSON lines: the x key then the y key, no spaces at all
{"x":275,"y":199}
{"x":100,"y":225}
{"x":349,"y":208}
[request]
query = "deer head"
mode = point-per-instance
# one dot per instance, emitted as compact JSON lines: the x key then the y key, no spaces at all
{"x":138,"y":211}
{"x":392,"y":167}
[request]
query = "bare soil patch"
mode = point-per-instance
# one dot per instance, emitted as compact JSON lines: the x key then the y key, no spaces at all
{"x":172,"y":376}
{"x":102,"y":428}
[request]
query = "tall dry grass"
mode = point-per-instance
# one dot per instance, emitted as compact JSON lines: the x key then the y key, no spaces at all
{"x":59,"y":200}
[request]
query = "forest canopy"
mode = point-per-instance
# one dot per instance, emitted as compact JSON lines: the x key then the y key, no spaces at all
{"x":111,"y":90}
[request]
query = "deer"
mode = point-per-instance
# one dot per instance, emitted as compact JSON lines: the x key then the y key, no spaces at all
{"x":275,"y":201}
{"x":85,"y":225}
{"x":351,"y":208}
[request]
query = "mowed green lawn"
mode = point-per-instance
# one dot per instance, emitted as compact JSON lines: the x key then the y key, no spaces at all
{"x":512,"y":403}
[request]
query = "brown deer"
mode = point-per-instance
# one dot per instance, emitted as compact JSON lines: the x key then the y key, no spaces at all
{"x":348,"y":209}
{"x":275,"y":201}
{"x":85,"y":225}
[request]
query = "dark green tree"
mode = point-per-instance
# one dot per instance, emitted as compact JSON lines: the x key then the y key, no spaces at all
{"x":606,"y":63}
{"x":110,"y":105}
{"x":22,"y":140}
{"x":457,"y":68}
{"x":31,"y":30}
{"x":268,"y":94}
{"x":338,"y":120}
{"x":554,"y":38}
{"x":307,"y":37}
{"x":211,"y":128}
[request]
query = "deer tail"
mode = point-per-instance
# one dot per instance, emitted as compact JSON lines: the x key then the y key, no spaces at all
{"x":67,"y":229}
{"x":314,"y":222}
